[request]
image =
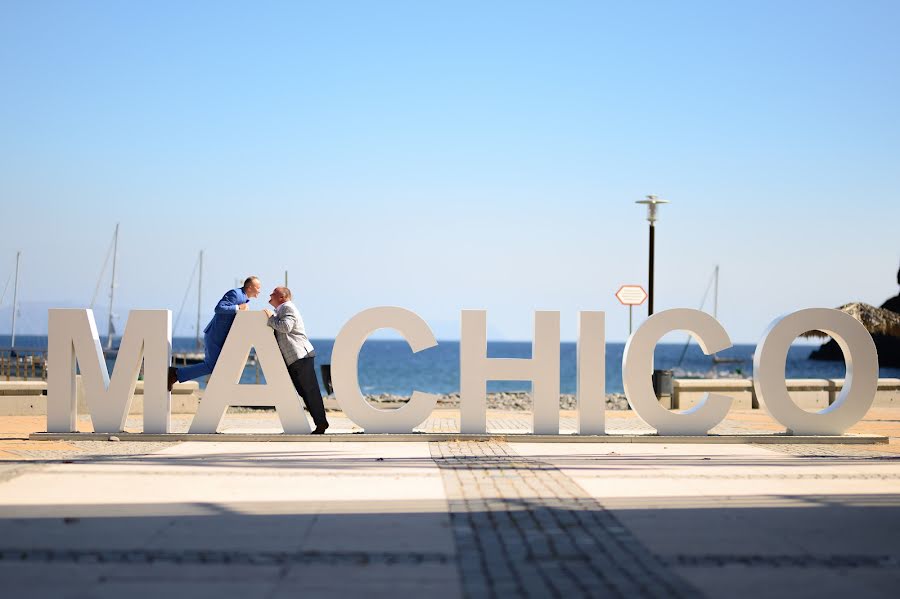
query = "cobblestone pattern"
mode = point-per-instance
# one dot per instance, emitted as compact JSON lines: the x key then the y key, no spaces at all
{"x":617,"y":422}
{"x":843,"y":562}
{"x":199,"y":557}
{"x":761,"y":476}
{"x":870,"y":452}
{"x":523,"y":528}
{"x":91,"y":450}
{"x":439,"y":425}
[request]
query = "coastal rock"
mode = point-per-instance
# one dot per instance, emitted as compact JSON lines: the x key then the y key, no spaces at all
{"x":884,"y":325}
{"x":503,"y":400}
{"x":888,"y":349}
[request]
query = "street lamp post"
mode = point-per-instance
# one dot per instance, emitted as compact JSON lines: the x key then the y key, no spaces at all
{"x":652,"y":202}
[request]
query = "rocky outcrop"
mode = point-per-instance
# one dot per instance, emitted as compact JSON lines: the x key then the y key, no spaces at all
{"x":888,"y":346}
{"x":888,"y":351}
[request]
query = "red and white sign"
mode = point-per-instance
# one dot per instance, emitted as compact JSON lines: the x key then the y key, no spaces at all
{"x":631,"y":295}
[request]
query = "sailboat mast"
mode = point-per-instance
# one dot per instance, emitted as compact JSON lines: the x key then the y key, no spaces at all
{"x":112,"y":289}
{"x":15,"y":301}
{"x":199,"y":297}
{"x":716,"y":294}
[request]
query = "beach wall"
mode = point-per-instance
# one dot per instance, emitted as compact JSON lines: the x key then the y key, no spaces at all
{"x":29,"y":398}
{"x":809,"y":394}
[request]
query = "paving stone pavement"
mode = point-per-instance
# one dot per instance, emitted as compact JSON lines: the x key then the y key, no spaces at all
{"x":212,"y":557}
{"x":15,"y":429}
{"x":224,"y":520}
{"x":833,"y":451}
{"x":86,"y":450}
{"x":523,"y":528}
{"x":258,"y":519}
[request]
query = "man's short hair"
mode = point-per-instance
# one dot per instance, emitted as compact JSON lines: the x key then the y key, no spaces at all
{"x":286,"y":292}
{"x":249,"y":281}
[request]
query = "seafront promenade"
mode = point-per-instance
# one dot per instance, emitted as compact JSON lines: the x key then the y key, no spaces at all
{"x":450,"y":518}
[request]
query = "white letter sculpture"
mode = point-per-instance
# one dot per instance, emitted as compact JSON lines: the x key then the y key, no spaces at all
{"x":590,"y":389}
{"x":637,"y":368}
{"x":224,"y":389}
{"x":73,"y":338}
{"x":476,"y":369}
{"x":345,"y":374}
{"x":860,"y":357}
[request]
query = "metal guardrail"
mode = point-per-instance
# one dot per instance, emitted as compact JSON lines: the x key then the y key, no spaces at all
{"x":23,"y":364}
{"x":887,"y":391}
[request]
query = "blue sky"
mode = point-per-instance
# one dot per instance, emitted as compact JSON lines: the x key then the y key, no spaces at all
{"x":454,"y":155}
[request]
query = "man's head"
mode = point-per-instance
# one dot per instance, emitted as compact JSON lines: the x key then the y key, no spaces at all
{"x":279,"y":295}
{"x":252,"y":286}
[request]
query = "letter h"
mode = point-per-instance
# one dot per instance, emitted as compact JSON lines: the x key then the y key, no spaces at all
{"x":476,"y":369}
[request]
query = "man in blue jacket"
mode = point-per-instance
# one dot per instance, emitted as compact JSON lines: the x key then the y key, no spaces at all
{"x":217,"y":330}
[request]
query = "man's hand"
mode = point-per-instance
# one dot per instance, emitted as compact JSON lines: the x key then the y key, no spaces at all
{"x":268,"y":313}
{"x":243,"y":306}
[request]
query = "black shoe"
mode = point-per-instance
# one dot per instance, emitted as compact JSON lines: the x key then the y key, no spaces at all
{"x":173,"y":377}
{"x":320,"y":429}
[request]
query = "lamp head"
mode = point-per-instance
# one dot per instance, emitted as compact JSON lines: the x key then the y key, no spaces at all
{"x":652,"y":202}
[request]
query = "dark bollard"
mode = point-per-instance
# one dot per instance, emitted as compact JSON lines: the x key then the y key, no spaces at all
{"x":325,"y":369}
{"x":662,"y":386}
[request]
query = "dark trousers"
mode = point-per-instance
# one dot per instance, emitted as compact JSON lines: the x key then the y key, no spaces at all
{"x":303,"y":375}
{"x":195,"y":371}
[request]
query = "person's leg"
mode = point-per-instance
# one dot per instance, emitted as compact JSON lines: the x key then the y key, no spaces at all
{"x":195,"y":371}
{"x":303,"y":375}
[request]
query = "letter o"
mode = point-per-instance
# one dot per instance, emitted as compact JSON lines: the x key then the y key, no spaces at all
{"x":860,"y":357}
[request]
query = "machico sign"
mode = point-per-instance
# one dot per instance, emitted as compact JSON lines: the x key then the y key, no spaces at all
{"x":147,"y":341}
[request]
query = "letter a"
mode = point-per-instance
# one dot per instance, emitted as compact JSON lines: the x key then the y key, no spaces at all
{"x":224,"y":389}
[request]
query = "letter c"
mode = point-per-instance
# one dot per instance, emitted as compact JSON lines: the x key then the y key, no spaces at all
{"x":345,"y":374}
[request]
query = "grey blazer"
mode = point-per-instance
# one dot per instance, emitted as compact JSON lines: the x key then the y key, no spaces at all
{"x":290,"y":333}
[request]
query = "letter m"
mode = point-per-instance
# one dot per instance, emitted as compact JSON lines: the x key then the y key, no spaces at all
{"x":73,"y":338}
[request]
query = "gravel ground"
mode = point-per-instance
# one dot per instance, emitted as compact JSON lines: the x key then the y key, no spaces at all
{"x":520,"y":401}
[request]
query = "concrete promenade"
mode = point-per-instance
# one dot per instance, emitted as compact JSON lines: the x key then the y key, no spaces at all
{"x":450,"y":519}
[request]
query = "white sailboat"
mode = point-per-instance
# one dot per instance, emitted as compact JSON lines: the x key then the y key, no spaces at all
{"x":109,"y":351}
{"x":24,"y":363}
{"x":15,"y":302}
{"x":198,"y":355}
{"x":714,"y":285}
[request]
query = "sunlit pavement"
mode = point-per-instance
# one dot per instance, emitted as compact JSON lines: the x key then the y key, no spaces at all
{"x":449,"y":519}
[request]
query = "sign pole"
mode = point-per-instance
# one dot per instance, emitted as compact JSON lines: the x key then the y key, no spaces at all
{"x":631,"y":296}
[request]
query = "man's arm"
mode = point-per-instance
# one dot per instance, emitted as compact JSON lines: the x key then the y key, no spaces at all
{"x":229,"y":303}
{"x":284,"y":323}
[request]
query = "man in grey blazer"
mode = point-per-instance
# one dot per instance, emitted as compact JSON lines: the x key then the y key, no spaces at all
{"x":298,"y":353}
